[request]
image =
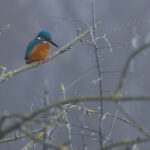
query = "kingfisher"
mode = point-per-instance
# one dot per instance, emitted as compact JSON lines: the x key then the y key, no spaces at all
{"x":38,"y":48}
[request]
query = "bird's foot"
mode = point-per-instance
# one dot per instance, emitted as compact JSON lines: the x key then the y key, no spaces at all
{"x":44,"y":60}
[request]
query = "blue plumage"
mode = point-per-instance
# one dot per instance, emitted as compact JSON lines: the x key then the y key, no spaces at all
{"x":45,"y":34}
{"x":42,"y":36}
{"x":30,"y":47}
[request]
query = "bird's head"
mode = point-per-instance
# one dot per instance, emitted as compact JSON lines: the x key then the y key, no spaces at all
{"x":47,"y":37}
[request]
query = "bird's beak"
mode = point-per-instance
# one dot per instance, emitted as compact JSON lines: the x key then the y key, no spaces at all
{"x":54,"y":44}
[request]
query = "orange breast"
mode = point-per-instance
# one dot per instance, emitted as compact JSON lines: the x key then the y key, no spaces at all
{"x":40,"y":51}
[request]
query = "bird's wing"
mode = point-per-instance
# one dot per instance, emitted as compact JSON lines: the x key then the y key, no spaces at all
{"x":31,"y":46}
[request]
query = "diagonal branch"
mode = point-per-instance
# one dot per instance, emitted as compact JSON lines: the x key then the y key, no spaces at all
{"x":127,"y":64}
{"x":10,"y":74}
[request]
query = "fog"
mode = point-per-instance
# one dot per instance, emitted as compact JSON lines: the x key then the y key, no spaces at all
{"x":126,"y":25}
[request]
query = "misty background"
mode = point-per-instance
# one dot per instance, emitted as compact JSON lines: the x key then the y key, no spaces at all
{"x":127,"y":25}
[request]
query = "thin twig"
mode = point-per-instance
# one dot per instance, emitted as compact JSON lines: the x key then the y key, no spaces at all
{"x":121,"y":83}
{"x":68,"y":126}
{"x":71,"y":19}
{"x":38,"y":139}
{"x":112,"y":126}
{"x":65,"y":109}
{"x":45,"y":103}
{"x":17,"y":137}
{"x":99,"y":72}
{"x":125,"y":69}
{"x":83,"y":126}
{"x":125,"y":142}
{"x":41,"y":110}
{"x":137,"y":125}
{"x":131,"y":123}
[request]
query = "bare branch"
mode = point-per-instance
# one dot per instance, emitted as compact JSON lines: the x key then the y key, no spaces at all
{"x":41,"y":110}
{"x":94,"y":43}
{"x":130,"y":58}
{"x":58,"y":52}
{"x":125,"y":142}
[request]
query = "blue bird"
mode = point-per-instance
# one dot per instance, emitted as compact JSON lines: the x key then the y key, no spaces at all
{"x":38,"y":48}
